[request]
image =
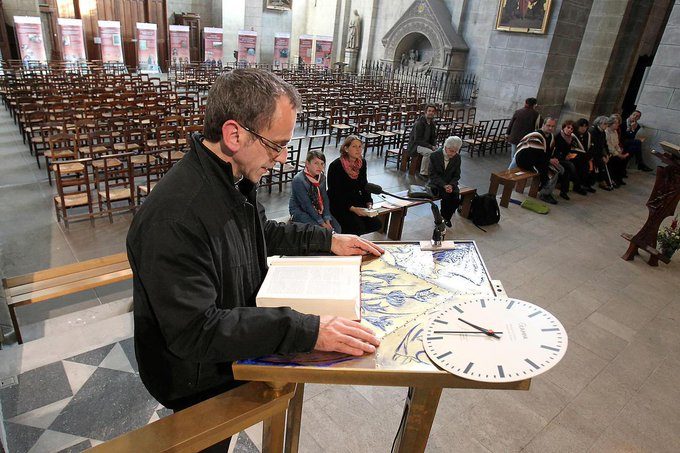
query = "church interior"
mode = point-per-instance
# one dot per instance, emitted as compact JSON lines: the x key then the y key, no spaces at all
{"x":129,"y":79}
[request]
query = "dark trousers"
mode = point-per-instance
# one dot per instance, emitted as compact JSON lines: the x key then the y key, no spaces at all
{"x":570,"y":174}
{"x":582,"y":165}
{"x":617,"y":168}
{"x":534,"y":158}
{"x":450,"y":202}
{"x":634,"y":147}
{"x":354,"y":224}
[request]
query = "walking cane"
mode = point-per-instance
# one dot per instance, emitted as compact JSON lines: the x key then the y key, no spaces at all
{"x":611,"y":183}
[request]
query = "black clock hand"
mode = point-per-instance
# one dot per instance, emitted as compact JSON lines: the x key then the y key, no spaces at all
{"x":462,"y":331}
{"x":489,"y":332}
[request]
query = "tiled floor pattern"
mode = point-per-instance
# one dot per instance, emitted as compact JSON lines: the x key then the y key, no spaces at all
{"x":616,"y":389}
{"x":82,"y":401}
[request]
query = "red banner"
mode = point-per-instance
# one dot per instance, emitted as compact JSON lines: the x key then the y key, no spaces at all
{"x":30,"y":38}
{"x":212,"y":45}
{"x":111,"y":44}
{"x":305,"y":51}
{"x":179,"y":45}
{"x":72,"y":41}
{"x":324,"y":47}
{"x":247,"y":46}
{"x":281,"y":49}
{"x":147,"y":49}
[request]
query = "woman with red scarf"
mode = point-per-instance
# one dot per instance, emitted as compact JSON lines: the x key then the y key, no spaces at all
{"x":309,"y":201}
{"x":347,"y":190}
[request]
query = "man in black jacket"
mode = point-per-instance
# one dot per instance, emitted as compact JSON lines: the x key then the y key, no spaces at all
{"x":423,"y":137}
{"x":198,"y":249}
{"x":444,"y":176}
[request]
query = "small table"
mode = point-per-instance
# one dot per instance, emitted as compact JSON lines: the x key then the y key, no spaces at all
{"x":422,"y":282}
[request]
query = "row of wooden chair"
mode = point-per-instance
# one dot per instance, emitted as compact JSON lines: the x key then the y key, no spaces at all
{"x":113,"y":183}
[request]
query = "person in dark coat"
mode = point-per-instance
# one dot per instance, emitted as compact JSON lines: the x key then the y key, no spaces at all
{"x":584,"y":160}
{"x":444,"y":176}
{"x":631,"y":144}
{"x":347,"y":190}
{"x":423,"y":137}
{"x":523,"y":122}
{"x":198,"y":248}
{"x":566,"y":148}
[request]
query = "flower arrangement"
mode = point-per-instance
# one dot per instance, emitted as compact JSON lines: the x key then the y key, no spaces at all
{"x":669,"y":238}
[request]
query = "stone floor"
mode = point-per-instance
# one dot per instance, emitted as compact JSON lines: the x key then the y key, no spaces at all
{"x":615,"y":390}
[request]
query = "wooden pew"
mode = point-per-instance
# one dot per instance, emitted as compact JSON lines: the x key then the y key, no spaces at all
{"x":63,"y":280}
{"x":513,"y":179}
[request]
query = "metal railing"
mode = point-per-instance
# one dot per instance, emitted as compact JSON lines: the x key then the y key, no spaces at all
{"x":436,"y":85}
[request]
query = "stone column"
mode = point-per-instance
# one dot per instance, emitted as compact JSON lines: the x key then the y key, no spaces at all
{"x":660,"y":96}
{"x":518,"y":66}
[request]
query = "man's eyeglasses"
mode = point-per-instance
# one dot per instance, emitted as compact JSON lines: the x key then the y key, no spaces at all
{"x":271,"y":146}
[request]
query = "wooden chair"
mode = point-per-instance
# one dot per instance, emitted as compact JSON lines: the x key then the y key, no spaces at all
{"x":115,"y":183}
{"x":339,"y":122}
{"x":73,"y":189}
{"x":381,"y":127}
{"x":61,"y":147}
{"x":154,"y":169}
{"x":364,"y":129}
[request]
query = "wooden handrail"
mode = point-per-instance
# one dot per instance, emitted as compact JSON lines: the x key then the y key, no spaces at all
{"x":210,"y":422}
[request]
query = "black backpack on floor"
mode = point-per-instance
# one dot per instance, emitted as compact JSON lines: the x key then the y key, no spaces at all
{"x":484,"y":210}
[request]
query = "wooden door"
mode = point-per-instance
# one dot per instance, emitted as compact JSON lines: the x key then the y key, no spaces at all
{"x":131,"y":12}
{"x":156,"y":14}
{"x":193,"y":21}
{"x":4,"y":40}
{"x":48,"y":16}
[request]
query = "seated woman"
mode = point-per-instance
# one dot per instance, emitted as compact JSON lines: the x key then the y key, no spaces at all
{"x":347,"y":190}
{"x":618,"y":159}
{"x":567,"y":147}
{"x":309,"y":200}
{"x":583,"y":161}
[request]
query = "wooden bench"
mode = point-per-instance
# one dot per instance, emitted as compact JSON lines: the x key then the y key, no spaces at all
{"x":516,"y":179}
{"x":393,"y":213}
{"x":61,"y":281}
{"x":214,"y":420}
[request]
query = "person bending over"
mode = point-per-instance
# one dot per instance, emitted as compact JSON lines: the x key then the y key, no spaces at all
{"x":444,"y":176}
{"x":533,"y":154}
{"x":309,"y":200}
{"x":347,"y":190}
{"x":198,"y":251}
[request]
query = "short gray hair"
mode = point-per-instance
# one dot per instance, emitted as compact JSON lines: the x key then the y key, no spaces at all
{"x":601,"y":120}
{"x":453,"y":142}
{"x":247,"y":96}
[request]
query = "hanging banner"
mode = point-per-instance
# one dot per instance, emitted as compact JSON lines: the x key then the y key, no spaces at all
{"x":212,"y":45}
{"x":30,"y":38}
{"x":324,"y":47}
{"x":179,"y":45}
{"x":247,"y":46}
{"x":147,"y":48}
{"x":306,"y":42}
{"x":72,"y":41}
{"x":110,"y":42}
{"x":281,"y":49}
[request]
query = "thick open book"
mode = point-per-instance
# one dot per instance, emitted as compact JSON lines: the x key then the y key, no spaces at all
{"x":319,"y":285}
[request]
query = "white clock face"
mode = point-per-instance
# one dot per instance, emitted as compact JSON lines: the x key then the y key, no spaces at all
{"x":521,"y":341}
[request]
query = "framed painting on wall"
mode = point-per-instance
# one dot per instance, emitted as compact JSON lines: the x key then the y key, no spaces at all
{"x":524,"y":16}
{"x":281,"y":5}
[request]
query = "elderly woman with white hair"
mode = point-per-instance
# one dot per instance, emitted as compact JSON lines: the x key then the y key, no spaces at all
{"x":444,"y":176}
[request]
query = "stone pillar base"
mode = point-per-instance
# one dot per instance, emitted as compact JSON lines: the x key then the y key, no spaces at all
{"x":351,"y":59}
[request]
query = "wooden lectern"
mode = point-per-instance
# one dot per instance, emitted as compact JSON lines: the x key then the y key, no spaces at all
{"x":661,"y":204}
{"x":400,"y":291}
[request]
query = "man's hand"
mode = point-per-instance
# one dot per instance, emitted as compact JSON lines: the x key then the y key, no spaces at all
{"x":349,"y":244}
{"x":342,"y":335}
{"x":554,"y":161}
{"x":448,"y":188}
